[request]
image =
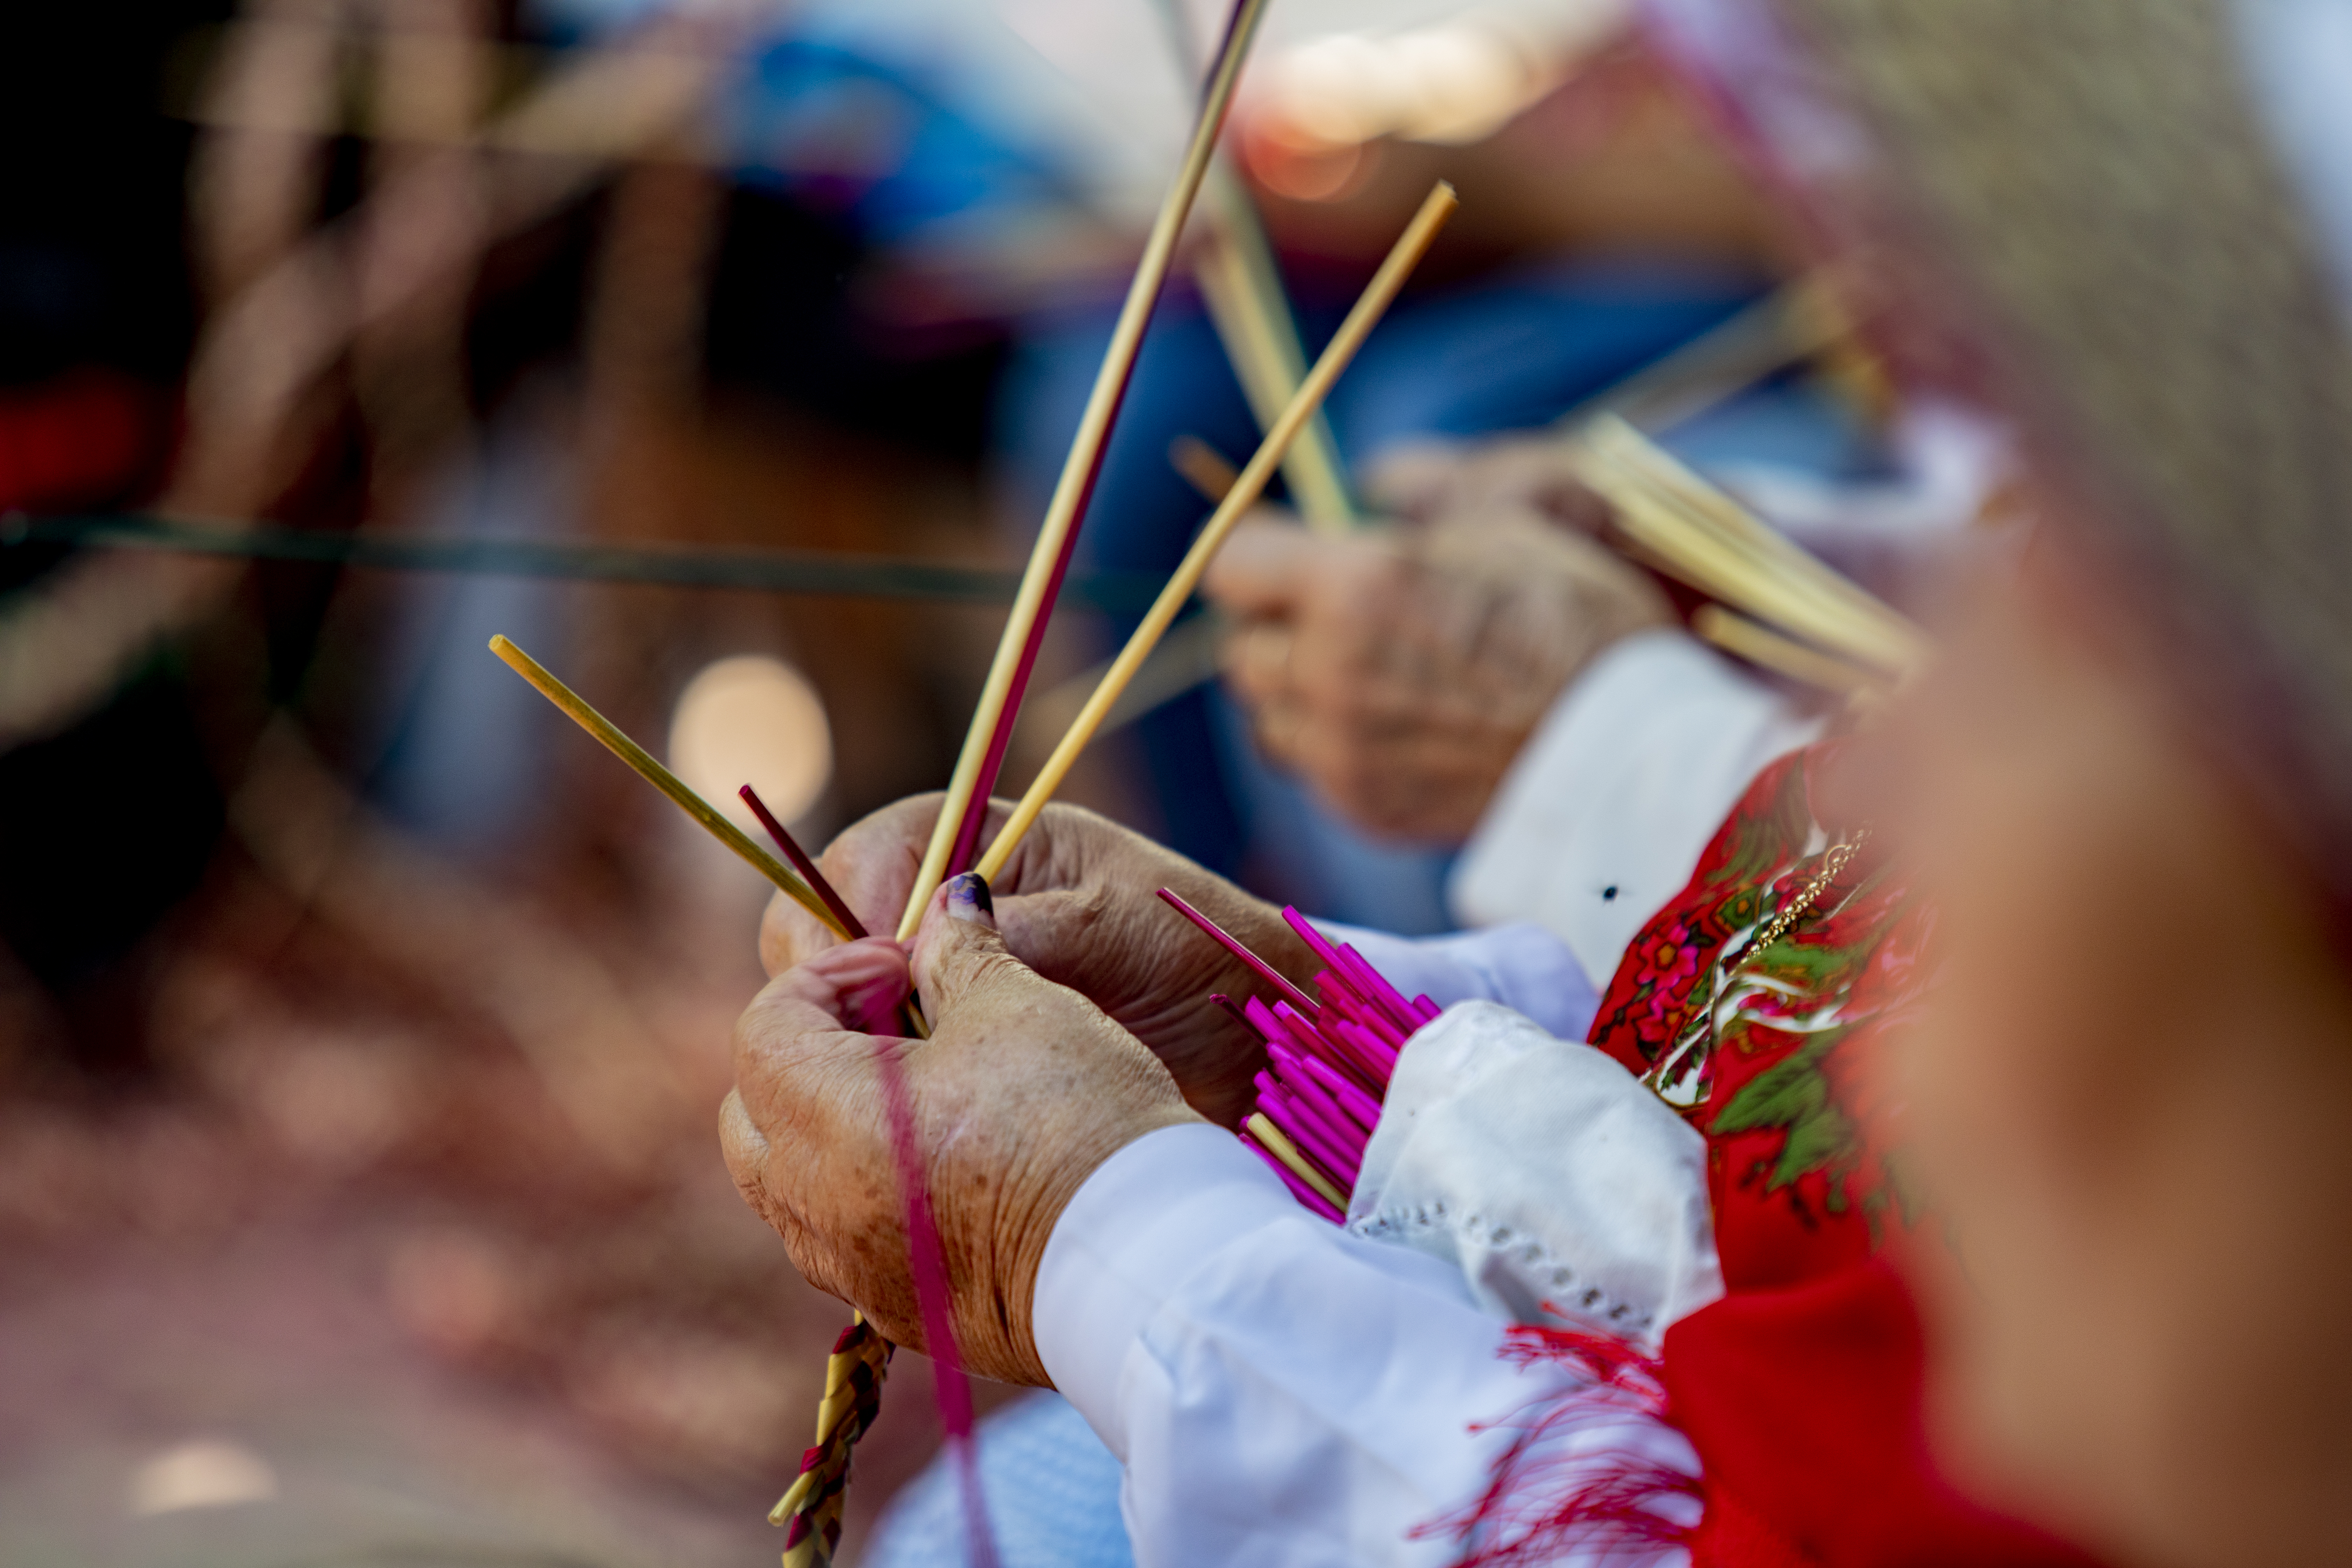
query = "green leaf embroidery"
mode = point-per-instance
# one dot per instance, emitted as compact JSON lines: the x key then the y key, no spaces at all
{"x":1793,"y":1095}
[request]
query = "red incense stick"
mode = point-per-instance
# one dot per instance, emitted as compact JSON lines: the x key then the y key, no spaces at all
{"x":1265,"y":972}
{"x":1119,"y":373}
{"x":802,"y":864}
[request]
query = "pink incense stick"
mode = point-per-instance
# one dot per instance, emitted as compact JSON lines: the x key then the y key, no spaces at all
{"x":802,"y":864}
{"x":1376,"y":1034}
{"x":1265,"y":972}
{"x":1316,"y":1097}
{"x":1362,"y":1106}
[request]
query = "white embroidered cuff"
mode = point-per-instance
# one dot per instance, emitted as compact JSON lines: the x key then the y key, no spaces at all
{"x":1563,"y":1190}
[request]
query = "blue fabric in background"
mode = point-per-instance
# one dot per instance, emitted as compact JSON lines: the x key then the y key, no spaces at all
{"x":1052,"y":1490}
{"x":1512,"y":351}
{"x":819,"y":119}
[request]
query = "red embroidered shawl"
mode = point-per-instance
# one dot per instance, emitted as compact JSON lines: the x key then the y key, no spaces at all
{"x":1800,"y":1388}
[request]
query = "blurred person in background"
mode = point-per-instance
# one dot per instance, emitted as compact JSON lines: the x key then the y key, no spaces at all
{"x":2126,"y":788}
{"x":2101,"y":1149}
{"x":1605,"y":228}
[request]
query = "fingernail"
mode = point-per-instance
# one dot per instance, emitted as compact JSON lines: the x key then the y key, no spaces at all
{"x":969,"y":900}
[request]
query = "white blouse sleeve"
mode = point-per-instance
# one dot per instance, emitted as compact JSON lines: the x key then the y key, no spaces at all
{"x":1606,"y":810}
{"x":1279,"y":1392}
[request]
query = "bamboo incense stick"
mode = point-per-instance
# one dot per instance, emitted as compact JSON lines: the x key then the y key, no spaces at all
{"x":1375,"y":300}
{"x":1274,"y":1141}
{"x":1240,"y":283}
{"x":1710,"y":541}
{"x":1799,"y":322}
{"x":965,"y":809}
{"x":1760,"y":644}
{"x":1242,"y":287}
{"x":668,"y":783}
{"x":851,"y":925}
{"x":1205,"y":467}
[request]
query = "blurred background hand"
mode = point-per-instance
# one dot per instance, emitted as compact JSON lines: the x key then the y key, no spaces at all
{"x":1523,"y":474}
{"x":1400,"y":673}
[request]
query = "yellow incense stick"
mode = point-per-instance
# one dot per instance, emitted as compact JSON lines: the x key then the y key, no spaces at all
{"x":1203,"y":466}
{"x":1079,"y":468}
{"x":1760,"y":644}
{"x":1273,"y":1140}
{"x":668,"y":783}
{"x":1711,"y":541}
{"x":1375,"y":300}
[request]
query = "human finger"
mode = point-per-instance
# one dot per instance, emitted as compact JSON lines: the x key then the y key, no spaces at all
{"x":1413,"y":478}
{"x":792,"y":1039}
{"x":1262,"y":567}
{"x":746,"y":1150}
{"x":871,"y":864}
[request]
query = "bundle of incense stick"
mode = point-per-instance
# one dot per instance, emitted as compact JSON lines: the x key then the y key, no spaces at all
{"x":1327,"y":1063}
{"x":1695,"y":532}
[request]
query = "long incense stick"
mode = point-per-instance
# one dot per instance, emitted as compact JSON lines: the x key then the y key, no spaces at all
{"x":668,"y":783}
{"x":1240,"y":283}
{"x":965,"y":809}
{"x":1242,"y":287}
{"x":1368,"y":308}
{"x":1264,"y":971}
{"x":1205,"y":467}
{"x":852,"y":926}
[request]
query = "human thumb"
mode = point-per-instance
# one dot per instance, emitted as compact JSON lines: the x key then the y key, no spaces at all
{"x":957,"y":947}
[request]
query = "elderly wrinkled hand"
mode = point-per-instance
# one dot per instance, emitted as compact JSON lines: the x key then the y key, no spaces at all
{"x":1497,"y":476}
{"x":1023,"y":1088}
{"x":1401,"y":672}
{"x":1077,"y":903}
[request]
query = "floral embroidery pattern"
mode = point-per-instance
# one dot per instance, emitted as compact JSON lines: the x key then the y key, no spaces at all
{"x":1779,"y":1103}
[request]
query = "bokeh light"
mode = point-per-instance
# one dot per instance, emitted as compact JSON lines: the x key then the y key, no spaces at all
{"x":751,"y":719}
